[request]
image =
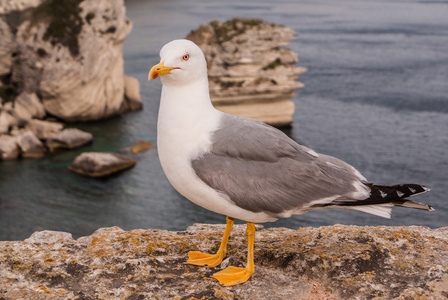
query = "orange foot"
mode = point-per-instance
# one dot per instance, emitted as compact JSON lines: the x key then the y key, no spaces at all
{"x":204,"y":259}
{"x":212,"y":260}
{"x":233,"y":275}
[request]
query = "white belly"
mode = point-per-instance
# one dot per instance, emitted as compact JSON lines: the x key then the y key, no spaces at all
{"x":177,"y":147}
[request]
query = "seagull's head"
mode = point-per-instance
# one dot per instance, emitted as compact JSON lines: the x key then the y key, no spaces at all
{"x":181,"y":61}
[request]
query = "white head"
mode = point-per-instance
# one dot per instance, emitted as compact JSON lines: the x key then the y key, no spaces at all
{"x":181,"y":61}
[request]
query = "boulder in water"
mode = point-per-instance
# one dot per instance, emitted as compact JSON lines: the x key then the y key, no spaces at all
{"x":69,"y":138}
{"x":8,"y":147}
{"x":30,"y":145}
{"x":97,"y":164}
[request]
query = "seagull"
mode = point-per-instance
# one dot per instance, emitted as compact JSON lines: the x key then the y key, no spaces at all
{"x":245,"y":169}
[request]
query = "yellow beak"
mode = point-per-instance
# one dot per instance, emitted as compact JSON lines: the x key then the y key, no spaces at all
{"x":159,"y":70}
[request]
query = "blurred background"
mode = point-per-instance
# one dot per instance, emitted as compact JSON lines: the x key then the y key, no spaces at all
{"x":375,"y":96}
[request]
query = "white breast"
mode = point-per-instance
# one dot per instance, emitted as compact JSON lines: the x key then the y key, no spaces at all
{"x":184,"y":134}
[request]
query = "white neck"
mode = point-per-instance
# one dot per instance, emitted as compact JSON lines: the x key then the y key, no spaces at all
{"x":186,"y":119}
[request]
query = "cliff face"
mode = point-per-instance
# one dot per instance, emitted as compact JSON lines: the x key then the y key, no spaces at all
{"x":60,"y":60}
{"x":69,"y":55}
{"x":335,"y":262}
{"x":250,"y":71}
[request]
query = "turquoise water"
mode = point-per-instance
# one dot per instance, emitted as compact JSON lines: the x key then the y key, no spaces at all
{"x":375,"y":96}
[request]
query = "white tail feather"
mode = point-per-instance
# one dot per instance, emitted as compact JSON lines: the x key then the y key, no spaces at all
{"x":381,"y":210}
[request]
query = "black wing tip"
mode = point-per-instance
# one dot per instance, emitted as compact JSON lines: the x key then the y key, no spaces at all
{"x":424,"y":188}
{"x":397,"y":195}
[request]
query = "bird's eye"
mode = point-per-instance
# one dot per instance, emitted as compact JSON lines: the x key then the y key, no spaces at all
{"x":186,"y":57}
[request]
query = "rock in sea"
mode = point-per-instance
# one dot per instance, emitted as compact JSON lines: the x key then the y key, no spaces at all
{"x":70,"y":55}
{"x":139,"y":147}
{"x":97,"y":164}
{"x":8,"y":147}
{"x":251,"y":73}
{"x":69,"y":138}
{"x":30,"y":145}
{"x":44,"y":129}
{"x":64,"y":61}
{"x":7,"y":122}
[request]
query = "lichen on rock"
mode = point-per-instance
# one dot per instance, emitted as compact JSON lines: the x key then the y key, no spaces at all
{"x":333,"y":262}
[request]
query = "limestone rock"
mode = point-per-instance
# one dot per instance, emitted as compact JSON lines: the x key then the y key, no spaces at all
{"x":8,"y":147}
{"x":96,"y":164}
{"x":78,"y":71}
{"x":18,"y":112}
{"x":16,"y":131}
{"x":49,"y":237}
{"x":6,"y":122}
{"x":8,"y":6}
{"x":248,"y":66}
{"x":64,"y":60}
{"x":132,"y":93}
{"x":139,"y":146}
{"x":44,"y":129}
{"x":69,"y":138}
{"x":6,"y":47}
{"x":31,"y":103}
{"x":273,"y":113}
{"x":25,"y":107}
{"x":30,"y":145}
{"x":334,"y":262}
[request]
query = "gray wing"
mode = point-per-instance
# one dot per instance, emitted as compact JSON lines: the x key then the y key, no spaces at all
{"x":263,"y":170}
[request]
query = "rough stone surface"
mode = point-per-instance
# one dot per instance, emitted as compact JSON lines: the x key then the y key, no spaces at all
{"x":8,"y":147}
{"x":248,"y":66}
{"x":138,"y":147}
{"x":84,"y":83}
{"x":6,"y":122}
{"x":6,"y":47}
{"x":44,"y":129}
{"x":335,"y":262}
{"x":63,"y":61}
{"x":69,"y":138}
{"x":25,"y":107}
{"x":132,"y":93}
{"x":32,"y":104}
{"x":8,"y":6}
{"x":75,"y":66}
{"x":19,"y":112}
{"x":97,"y":164}
{"x":30,"y":145}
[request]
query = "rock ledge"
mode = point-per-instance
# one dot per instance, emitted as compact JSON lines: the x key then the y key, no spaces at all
{"x":335,"y":262}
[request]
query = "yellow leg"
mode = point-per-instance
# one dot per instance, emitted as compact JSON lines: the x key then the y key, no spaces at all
{"x":212,"y":260}
{"x":232,"y":275}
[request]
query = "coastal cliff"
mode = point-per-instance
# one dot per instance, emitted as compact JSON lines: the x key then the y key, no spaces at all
{"x":69,"y":55}
{"x":60,"y":62}
{"x":334,"y":262}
